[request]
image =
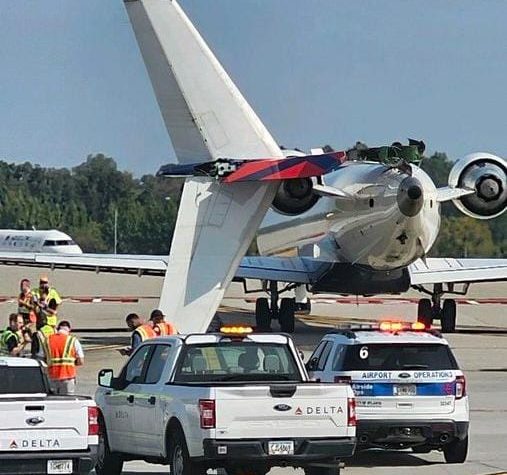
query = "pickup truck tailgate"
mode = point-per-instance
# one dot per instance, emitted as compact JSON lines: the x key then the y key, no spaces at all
{"x":46,"y":424}
{"x":308,"y":410}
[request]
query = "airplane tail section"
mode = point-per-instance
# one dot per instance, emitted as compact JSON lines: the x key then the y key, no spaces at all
{"x":204,"y":112}
{"x":207,"y":119}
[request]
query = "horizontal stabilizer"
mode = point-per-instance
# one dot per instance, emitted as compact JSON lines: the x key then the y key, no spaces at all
{"x":448,"y":193}
{"x":230,"y":170}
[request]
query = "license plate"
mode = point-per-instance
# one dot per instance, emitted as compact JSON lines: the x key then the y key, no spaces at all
{"x":285,"y":447}
{"x":60,"y":466}
{"x":404,"y":390}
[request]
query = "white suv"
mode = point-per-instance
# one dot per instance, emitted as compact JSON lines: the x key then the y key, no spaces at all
{"x":409,"y":389}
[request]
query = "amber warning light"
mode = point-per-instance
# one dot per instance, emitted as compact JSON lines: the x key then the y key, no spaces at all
{"x":399,"y":326}
{"x":236,"y":330}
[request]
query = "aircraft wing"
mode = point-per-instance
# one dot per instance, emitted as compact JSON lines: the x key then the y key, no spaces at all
{"x":449,"y":270}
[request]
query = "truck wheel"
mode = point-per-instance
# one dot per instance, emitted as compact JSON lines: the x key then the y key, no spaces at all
{"x":108,"y":463}
{"x":179,"y":458}
{"x":456,"y":451}
{"x":286,"y":315}
{"x":262,"y":314}
{"x":322,"y":470}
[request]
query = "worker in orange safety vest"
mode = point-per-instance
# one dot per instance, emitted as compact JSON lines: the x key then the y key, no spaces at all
{"x":140,"y":332}
{"x":63,"y":354}
{"x":162,"y":327}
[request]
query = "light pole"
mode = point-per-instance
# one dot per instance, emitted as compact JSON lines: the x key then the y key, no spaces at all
{"x":115,"y":229}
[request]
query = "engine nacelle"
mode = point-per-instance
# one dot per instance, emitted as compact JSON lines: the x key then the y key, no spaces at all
{"x":487,"y":175}
{"x":295,"y":197}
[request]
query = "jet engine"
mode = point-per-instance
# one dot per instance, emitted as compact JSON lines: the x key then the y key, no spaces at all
{"x":295,"y":196}
{"x":487,"y":175}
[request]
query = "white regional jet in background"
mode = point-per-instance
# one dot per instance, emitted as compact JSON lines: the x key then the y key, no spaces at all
{"x":45,"y":241}
{"x":355,"y":222}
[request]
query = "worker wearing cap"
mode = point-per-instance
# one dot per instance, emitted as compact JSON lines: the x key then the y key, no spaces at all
{"x":45,"y":292}
{"x":63,"y":354}
{"x":140,"y":332}
{"x":162,"y":327}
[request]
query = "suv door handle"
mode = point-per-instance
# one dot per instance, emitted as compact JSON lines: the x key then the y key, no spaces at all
{"x":152,"y":400}
{"x":130,"y":398}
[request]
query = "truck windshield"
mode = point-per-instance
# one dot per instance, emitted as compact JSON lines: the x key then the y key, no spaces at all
{"x":394,"y":357}
{"x":21,"y":380}
{"x":237,"y":362}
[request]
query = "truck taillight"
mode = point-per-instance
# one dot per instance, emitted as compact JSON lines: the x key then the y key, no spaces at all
{"x":461,"y":387}
{"x":343,"y":379}
{"x":93,"y":421}
{"x":351,"y":411}
{"x":207,"y":412}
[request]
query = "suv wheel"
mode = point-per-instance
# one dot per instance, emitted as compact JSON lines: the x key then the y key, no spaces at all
{"x":456,"y":451}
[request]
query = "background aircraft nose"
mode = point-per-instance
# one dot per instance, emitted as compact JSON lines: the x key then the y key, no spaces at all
{"x":410,"y":196}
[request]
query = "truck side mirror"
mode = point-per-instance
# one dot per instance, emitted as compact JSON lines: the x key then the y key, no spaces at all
{"x":105,"y":378}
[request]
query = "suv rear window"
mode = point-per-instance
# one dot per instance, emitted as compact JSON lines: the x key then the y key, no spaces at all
{"x":21,"y":380}
{"x":395,"y":357}
{"x":236,"y":362}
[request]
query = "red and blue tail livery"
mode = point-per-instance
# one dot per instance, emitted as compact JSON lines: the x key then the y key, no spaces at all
{"x":262,"y":169}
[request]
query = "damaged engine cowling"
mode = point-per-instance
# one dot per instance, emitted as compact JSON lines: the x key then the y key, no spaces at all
{"x":295,"y":196}
{"x":487,"y":175}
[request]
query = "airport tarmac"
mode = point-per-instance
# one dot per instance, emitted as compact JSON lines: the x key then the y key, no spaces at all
{"x":482,"y":355}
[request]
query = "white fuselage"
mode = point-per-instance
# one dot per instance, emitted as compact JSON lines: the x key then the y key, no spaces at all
{"x":367,"y":228}
{"x":50,"y":241}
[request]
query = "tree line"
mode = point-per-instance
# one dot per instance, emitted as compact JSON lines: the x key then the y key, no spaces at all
{"x":83,"y":201}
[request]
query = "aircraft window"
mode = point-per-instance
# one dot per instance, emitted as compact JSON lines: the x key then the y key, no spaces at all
{"x":372,"y":203}
{"x":49,"y":243}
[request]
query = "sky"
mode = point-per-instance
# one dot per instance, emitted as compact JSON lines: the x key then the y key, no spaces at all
{"x":72,"y":81}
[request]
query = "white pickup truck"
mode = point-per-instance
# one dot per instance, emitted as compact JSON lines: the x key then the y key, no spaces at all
{"x":42,"y":433}
{"x":226,"y":401}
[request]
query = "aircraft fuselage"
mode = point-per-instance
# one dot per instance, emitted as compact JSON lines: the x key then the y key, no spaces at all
{"x":388,"y":220}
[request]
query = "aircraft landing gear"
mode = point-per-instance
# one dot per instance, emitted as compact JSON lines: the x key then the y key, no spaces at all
{"x":268,"y":309}
{"x":432,"y":309}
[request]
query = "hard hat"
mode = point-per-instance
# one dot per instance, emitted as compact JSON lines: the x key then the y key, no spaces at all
{"x":43,"y":278}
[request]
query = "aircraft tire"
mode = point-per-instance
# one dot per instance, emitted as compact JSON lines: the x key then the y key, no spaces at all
{"x":449,"y":316}
{"x":286,"y":316}
{"x":424,"y":312}
{"x":262,"y":315}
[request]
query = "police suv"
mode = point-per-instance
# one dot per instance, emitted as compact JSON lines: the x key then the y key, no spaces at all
{"x":410,"y":392}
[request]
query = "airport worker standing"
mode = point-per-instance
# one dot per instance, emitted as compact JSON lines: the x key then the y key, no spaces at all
{"x":46,"y":293}
{"x":140,"y":332}
{"x":25,"y":300}
{"x":15,"y":338}
{"x":162,"y":327}
{"x":46,"y":328}
{"x":63,"y":354}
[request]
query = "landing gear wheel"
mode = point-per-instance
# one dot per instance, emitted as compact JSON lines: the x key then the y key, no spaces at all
{"x":448,"y":320}
{"x":322,"y":470}
{"x":456,"y":451}
{"x":262,"y":315}
{"x":179,"y":459}
{"x":108,"y":463}
{"x":425,"y":312}
{"x":286,"y":315}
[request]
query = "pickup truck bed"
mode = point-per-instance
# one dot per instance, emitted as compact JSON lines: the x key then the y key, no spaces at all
{"x":42,"y":433}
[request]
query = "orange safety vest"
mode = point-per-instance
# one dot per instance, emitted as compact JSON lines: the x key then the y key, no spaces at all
{"x":166,"y":328}
{"x":60,"y":356}
{"x":146,"y":332}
